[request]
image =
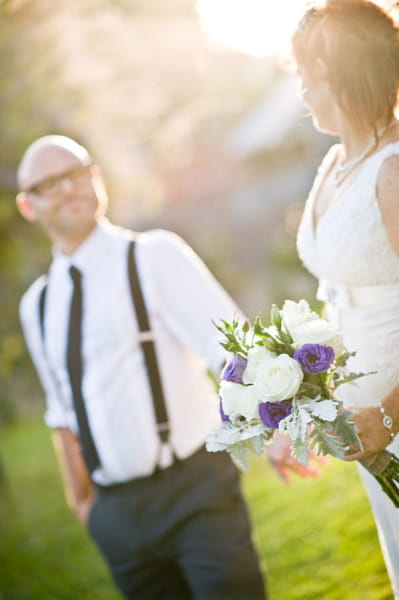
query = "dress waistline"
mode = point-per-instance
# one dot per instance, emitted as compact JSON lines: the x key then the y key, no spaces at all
{"x":341,"y":296}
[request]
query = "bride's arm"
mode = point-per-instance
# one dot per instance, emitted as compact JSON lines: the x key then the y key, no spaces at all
{"x":387,"y":194}
{"x":372,"y":432}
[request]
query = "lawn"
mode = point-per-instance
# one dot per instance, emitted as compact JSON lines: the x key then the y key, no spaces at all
{"x":316,"y":537}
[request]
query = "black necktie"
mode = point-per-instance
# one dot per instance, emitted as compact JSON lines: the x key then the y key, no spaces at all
{"x":74,"y":365}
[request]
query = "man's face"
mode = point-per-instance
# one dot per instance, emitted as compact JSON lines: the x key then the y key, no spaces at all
{"x":63,"y":195}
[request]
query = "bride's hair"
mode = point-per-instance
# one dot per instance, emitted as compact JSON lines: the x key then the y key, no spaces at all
{"x":358,"y":44}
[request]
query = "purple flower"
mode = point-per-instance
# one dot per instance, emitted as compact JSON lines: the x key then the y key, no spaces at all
{"x":223,"y":415}
{"x":234,"y":369}
{"x":314,"y":358}
{"x":271,"y":413}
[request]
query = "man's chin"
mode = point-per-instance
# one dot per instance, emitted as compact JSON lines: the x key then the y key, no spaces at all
{"x":71,"y":228}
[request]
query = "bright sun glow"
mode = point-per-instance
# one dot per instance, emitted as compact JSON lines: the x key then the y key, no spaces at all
{"x":256,"y":27}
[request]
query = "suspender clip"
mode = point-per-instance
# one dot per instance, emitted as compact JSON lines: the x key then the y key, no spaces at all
{"x":146,"y":336}
{"x":163,"y":426}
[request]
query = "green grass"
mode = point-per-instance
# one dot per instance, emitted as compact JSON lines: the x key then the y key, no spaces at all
{"x":316,"y":537}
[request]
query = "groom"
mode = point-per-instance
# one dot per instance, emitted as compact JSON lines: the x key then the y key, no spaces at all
{"x":121,"y":334}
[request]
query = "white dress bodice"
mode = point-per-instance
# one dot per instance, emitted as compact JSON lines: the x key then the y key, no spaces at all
{"x":350,"y":246}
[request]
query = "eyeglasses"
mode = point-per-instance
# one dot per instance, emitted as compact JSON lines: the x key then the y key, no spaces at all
{"x":52,"y":186}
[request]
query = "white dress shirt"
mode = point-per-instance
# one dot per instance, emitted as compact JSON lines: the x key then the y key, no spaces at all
{"x":182,"y":300}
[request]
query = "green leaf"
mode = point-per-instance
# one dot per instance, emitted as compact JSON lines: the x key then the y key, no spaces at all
{"x":325,"y":441}
{"x":300,"y":451}
{"x":351,"y":377}
{"x":343,"y":359}
{"x":346,"y":430}
{"x":310,"y":390}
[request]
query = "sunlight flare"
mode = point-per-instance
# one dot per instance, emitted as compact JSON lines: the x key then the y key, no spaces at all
{"x":254,"y":27}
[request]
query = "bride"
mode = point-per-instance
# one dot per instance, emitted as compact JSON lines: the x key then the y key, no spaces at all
{"x":347,"y":56}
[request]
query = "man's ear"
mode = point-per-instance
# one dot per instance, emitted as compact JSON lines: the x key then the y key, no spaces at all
{"x":25,"y":207}
{"x":95,"y":171}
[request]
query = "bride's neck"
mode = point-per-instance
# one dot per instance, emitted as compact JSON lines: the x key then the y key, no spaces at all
{"x":354,"y":143}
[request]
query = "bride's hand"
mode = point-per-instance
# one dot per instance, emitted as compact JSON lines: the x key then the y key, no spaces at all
{"x":279,"y":456}
{"x":372,"y":433}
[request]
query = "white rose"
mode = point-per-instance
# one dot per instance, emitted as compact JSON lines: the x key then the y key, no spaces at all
{"x":256,"y":357}
{"x":278,"y":379}
{"x":297,"y":313}
{"x":238,"y":399}
{"x":318,"y":332}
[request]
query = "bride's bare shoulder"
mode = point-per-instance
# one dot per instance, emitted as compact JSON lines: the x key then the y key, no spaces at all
{"x":387,"y":194}
{"x":388,"y":176}
{"x":389,"y":171}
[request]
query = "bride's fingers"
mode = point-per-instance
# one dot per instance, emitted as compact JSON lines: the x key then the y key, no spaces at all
{"x":303,"y":470}
{"x":352,"y":457}
{"x":319,"y":458}
{"x":354,"y":453}
{"x":281,"y":470}
{"x":284,"y":473}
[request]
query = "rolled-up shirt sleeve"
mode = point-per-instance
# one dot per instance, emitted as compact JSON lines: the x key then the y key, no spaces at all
{"x":190,"y":298}
{"x":55,"y":413}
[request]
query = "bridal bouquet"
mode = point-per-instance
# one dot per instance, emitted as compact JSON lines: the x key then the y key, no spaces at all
{"x":284,"y":376}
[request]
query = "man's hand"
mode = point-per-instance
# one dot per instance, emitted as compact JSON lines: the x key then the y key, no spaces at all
{"x":79,"y":489}
{"x":279,"y":456}
{"x":82,"y":511}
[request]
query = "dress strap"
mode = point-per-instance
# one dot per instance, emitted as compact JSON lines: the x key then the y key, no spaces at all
{"x":376,"y":160}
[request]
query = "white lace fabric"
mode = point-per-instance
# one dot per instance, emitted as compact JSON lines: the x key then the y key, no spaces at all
{"x":350,"y":245}
{"x":350,"y":253}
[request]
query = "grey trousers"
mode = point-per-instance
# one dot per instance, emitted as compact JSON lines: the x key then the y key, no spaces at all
{"x":180,"y":534}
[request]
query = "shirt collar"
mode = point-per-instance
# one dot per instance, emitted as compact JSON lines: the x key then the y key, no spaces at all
{"x":87,"y":253}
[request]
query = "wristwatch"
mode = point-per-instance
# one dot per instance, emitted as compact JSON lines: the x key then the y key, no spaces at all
{"x":387,"y":421}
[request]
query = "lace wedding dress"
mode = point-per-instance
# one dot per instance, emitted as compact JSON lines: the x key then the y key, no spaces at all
{"x":350,"y":253}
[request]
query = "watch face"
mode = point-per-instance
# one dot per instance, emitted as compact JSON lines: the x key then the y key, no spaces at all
{"x":387,"y":421}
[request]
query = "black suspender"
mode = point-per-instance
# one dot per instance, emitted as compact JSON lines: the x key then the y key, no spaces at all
{"x":146,"y":338}
{"x":42,"y":305}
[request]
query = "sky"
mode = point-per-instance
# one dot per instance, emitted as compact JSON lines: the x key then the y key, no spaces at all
{"x":254,"y":27}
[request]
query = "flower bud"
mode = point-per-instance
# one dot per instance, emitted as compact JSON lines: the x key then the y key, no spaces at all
{"x":246,"y":326}
{"x":286,"y":337}
{"x":275,"y":316}
{"x":270,"y":344}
